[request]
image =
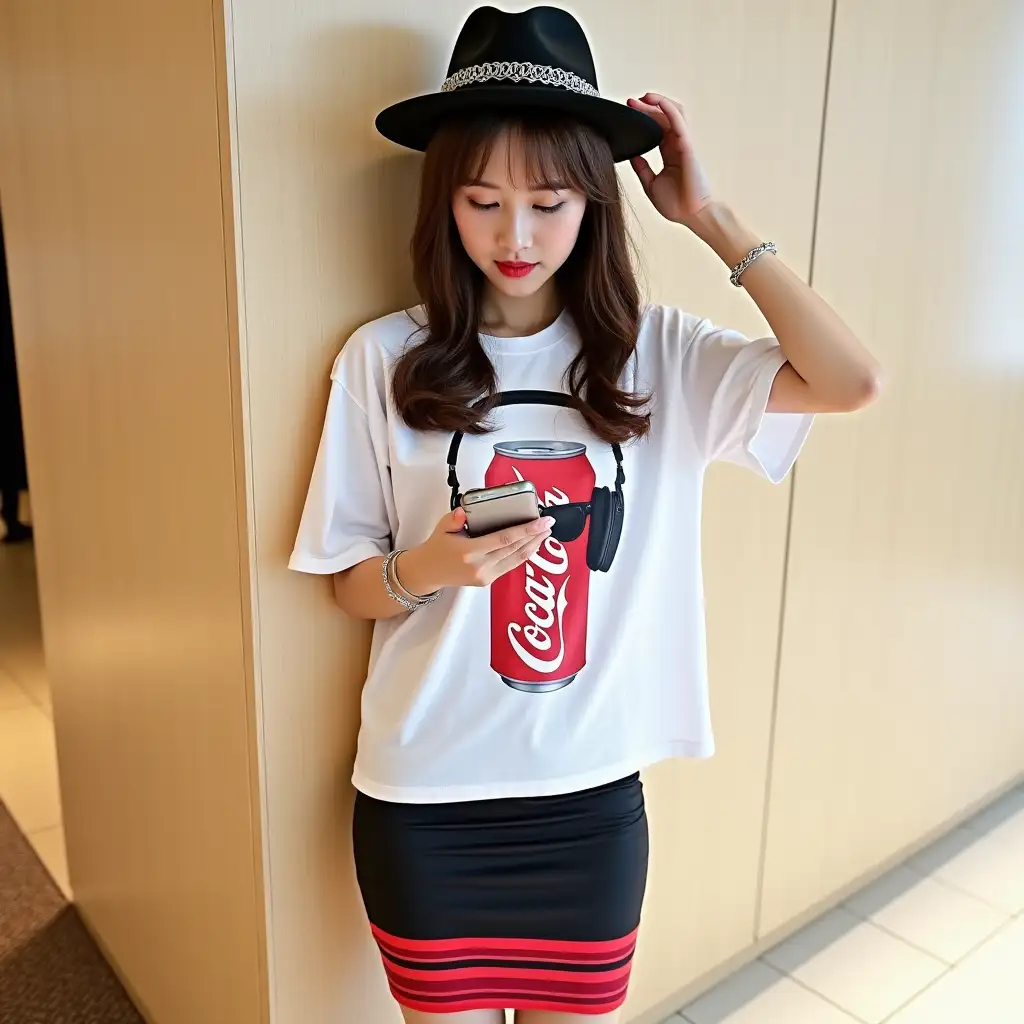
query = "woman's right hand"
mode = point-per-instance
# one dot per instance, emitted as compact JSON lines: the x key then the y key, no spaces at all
{"x":451,"y":558}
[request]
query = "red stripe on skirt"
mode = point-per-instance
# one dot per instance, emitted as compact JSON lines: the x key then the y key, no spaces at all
{"x":455,"y":979}
{"x":529,"y":986}
{"x":426,"y":950}
{"x":498,"y":998}
{"x":541,"y":978}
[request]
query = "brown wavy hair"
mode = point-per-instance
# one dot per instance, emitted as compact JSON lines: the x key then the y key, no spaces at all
{"x":439,"y":377}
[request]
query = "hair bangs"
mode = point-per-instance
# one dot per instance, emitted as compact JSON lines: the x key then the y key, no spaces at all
{"x":553,"y":151}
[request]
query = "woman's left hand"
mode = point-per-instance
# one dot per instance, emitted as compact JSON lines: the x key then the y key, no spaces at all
{"x":680,"y":191}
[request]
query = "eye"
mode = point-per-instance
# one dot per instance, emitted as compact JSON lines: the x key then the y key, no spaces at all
{"x":549,"y":209}
{"x":482,"y":206}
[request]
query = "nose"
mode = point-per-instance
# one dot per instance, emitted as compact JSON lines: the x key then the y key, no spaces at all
{"x":515,"y":232}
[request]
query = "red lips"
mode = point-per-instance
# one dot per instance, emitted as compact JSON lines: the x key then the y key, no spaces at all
{"x":514,"y":269}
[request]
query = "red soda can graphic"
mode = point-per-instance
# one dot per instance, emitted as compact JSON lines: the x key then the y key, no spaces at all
{"x":539,"y":609}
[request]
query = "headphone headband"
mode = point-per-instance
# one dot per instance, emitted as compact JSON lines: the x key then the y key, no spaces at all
{"x":555,"y":398}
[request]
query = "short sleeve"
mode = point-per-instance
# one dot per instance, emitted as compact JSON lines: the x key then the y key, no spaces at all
{"x":727,"y":380}
{"x":345,"y":518}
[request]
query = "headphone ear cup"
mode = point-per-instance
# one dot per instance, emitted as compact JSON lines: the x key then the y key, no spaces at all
{"x":604,"y":533}
{"x":600,"y":509}
{"x":616,"y":515}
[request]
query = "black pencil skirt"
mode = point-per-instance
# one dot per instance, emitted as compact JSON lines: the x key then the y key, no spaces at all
{"x":513,"y":903}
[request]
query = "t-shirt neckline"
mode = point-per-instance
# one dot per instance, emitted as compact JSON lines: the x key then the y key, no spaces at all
{"x":529,"y":343}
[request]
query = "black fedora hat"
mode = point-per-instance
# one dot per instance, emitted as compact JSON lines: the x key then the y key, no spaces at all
{"x":537,"y":58}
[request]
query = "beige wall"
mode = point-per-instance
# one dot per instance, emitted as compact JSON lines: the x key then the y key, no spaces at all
{"x":181,"y":645}
{"x":110,"y":173}
{"x":706,"y":817}
{"x":901,"y":697}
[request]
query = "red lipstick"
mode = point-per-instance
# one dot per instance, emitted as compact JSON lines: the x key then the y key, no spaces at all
{"x":515,"y":269}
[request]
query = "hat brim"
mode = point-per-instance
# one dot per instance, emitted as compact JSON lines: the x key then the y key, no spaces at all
{"x":412,"y":123}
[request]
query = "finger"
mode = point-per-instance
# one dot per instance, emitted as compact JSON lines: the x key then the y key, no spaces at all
{"x":671,"y":109}
{"x":455,"y":521}
{"x":516,"y":558}
{"x":665,"y":101}
{"x":533,"y":542}
{"x":656,"y":112}
{"x":653,"y":111}
{"x":643,"y":172}
{"x":513,"y":535}
{"x":658,"y":97}
{"x":499,"y":562}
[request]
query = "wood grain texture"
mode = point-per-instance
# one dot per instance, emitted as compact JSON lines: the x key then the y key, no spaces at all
{"x":112,"y":185}
{"x":751,"y":77}
{"x":902,"y":698}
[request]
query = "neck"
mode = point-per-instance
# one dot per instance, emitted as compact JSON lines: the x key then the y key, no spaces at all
{"x":512,"y":317}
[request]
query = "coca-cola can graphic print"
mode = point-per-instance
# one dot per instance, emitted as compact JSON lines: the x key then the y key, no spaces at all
{"x":539,"y":609}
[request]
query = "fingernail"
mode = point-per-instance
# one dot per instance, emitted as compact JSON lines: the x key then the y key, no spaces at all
{"x":548,"y":521}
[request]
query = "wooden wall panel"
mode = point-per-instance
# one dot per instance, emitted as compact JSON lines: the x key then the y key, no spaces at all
{"x":114,"y":215}
{"x":902,"y":697}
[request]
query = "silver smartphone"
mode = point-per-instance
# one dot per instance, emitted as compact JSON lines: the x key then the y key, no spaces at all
{"x":497,"y":508}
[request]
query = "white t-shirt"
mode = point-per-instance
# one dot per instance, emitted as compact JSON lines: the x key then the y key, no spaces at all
{"x":467,"y":698}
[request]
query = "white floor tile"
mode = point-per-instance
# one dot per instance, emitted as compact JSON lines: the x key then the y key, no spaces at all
{"x":1011,"y":831}
{"x":11,"y":694}
{"x":934,"y":917}
{"x":985,"y":988}
{"x":49,"y":845}
{"x":856,"y":965}
{"x":980,"y":864}
{"x":759,"y":993}
{"x":28,"y":769}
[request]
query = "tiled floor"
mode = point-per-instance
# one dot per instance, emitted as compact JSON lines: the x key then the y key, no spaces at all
{"x":28,"y":755}
{"x":938,"y":940}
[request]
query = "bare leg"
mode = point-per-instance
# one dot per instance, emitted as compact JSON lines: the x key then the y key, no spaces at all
{"x":467,"y":1017}
{"x":546,"y":1017}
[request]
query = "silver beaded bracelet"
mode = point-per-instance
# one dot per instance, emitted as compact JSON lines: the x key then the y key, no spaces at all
{"x":737,"y":271}
{"x":396,"y":591}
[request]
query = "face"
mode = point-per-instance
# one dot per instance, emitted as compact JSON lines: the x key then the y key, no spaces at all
{"x":518,"y":236}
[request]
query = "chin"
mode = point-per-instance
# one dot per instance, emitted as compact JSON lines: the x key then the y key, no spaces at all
{"x":518,"y":287}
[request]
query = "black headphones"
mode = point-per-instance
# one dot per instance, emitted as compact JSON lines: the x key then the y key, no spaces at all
{"x":606,"y":508}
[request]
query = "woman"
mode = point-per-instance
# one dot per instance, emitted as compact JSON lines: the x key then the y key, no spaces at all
{"x":521,"y":679}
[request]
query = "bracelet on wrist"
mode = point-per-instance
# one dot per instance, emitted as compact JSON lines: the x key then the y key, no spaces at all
{"x":385,"y":572}
{"x":754,"y":254}
{"x":424,"y":598}
{"x":396,"y":591}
